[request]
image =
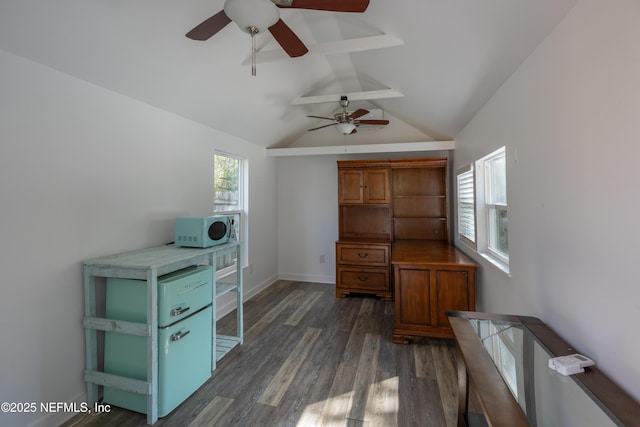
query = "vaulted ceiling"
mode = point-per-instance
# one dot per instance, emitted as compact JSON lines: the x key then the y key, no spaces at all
{"x":428,"y":65}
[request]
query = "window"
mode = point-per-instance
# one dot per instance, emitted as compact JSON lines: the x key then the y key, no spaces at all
{"x":229,"y":193}
{"x":466,"y":206}
{"x":496,"y":205}
{"x":228,"y":183}
{"x":491,"y":195}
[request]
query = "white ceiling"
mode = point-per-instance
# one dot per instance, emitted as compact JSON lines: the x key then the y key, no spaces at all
{"x":451,"y":56}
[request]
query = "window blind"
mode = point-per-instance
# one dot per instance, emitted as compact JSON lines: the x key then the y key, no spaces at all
{"x":466,"y":206}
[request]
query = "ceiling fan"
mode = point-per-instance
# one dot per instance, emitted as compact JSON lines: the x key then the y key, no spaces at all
{"x":258,"y":16}
{"x":346,"y":122}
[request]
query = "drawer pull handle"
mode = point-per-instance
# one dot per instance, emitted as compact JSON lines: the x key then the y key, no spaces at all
{"x":179,"y":335}
{"x":363,"y":279}
{"x":178,"y":311}
{"x":364,"y":255}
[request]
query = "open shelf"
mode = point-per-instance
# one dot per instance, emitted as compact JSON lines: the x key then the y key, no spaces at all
{"x":365,"y":221}
{"x":419,"y":181}
{"x":420,"y":207}
{"x":224,"y":344}
{"x":223,"y":288}
{"x":147,"y":264}
{"x":420,"y":228}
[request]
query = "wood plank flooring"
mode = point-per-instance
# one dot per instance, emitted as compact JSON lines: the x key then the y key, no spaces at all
{"x":311,"y":359}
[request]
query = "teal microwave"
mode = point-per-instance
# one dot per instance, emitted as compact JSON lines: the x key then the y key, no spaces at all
{"x":204,"y":232}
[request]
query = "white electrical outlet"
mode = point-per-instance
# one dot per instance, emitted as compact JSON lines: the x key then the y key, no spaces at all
{"x":322,"y":258}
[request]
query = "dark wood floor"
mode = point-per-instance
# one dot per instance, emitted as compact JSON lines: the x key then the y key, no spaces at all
{"x":311,"y":359}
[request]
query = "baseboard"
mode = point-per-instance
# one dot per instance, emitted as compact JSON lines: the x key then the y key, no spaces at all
{"x":314,"y":278}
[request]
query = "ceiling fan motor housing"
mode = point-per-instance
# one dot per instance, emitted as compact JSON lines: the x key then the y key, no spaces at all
{"x":252,"y":16}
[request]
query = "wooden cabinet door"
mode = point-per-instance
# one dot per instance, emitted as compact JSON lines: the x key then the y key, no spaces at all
{"x":376,"y":186}
{"x":413,"y":297}
{"x":350,"y":186}
{"x":364,"y":186}
{"x":424,"y":294}
{"x":452,"y":293}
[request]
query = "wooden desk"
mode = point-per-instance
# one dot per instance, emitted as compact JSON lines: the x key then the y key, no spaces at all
{"x":430,"y":277}
{"x":506,"y":359}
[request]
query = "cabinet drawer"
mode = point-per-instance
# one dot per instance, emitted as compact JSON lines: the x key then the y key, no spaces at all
{"x":366,"y":279}
{"x":373,"y":255}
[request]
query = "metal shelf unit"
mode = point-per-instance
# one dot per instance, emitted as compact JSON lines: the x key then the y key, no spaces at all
{"x":148,"y":264}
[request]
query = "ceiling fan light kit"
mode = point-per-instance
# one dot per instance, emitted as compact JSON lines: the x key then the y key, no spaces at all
{"x":345,"y":128}
{"x":253,"y":17}
{"x":346,"y":122}
{"x":250,"y":14}
{"x":258,"y":16}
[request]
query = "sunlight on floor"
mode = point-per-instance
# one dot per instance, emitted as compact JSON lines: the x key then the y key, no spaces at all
{"x":381,"y":407}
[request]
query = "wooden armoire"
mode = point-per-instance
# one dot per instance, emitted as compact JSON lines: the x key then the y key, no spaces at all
{"x":393,"y":242}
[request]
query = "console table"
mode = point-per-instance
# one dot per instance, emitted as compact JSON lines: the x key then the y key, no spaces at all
{"x":506,"y":359}
{"x":148,"y":264}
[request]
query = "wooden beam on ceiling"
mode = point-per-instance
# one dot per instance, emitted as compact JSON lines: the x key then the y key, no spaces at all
{"x":403,"y":147}
{"x":353,"y":96}
{"x":361,"y":44}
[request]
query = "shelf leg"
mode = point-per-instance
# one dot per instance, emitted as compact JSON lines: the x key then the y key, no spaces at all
{"x":240,"y":297}
{"x":214,"y":353}
{"x":152,"y":345}
{"x":91,"y":335}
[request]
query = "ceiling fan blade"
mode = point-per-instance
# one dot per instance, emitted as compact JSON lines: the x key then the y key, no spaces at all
{"x":210,"y":27}
{"x":320,"y":127}
{"x":358,"y":113}
{"x":358,"y":6}
{"x":353,"y":131}
{"x":371,"y":122}
{"x":288,"y":39}
{"x":320,"y":117}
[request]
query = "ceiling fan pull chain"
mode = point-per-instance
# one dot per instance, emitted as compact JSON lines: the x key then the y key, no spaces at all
{"x":253,"y":31}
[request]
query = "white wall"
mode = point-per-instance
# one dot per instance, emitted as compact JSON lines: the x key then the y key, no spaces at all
{"x":308,"y":213}
{"x":569,"y":119}
{"x":307,"y":217}
{"x":85,"y":172}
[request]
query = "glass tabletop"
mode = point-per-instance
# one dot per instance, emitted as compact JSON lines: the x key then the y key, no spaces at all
{"x":546,"y":397}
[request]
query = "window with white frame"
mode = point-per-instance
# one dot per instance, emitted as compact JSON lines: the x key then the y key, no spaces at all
{"x":227,"y":183}
{"x":229,"y":194}
{"x":466,"y":205}
{"x":491,"y":192}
